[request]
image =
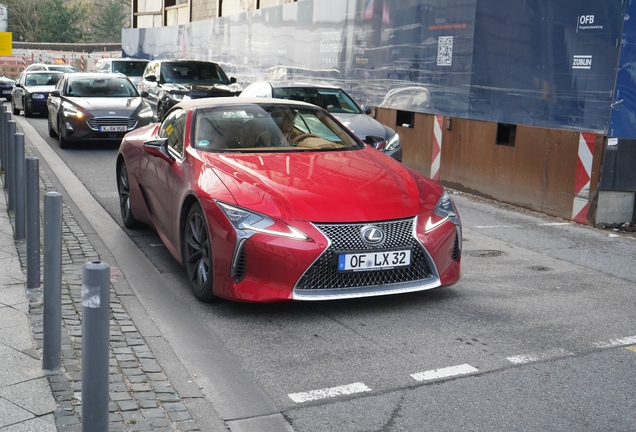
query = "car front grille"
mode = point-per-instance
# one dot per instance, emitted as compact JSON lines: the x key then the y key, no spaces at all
{"x":96,"y":122}
{"x":324,"y":275}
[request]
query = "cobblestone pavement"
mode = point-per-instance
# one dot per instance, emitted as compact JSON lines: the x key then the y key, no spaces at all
{"x":142,"y":397}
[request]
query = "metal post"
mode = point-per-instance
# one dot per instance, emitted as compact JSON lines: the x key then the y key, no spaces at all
{"x":8,"y":169}
{"x":52,"y":290}
{"x":20,"y":187}
{"x":3,"y":129}
{"x":33,"y":221}
{"x":95,"y":336}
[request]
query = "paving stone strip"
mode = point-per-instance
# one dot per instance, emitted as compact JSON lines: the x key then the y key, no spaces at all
{"x":141,"y":395}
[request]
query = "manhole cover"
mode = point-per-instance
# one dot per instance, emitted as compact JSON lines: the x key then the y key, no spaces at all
{"x":486,"y":253}
{"x":540,"y":268}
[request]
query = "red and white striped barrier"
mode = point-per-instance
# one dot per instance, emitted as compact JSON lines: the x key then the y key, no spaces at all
{"x":82,"y":63}
{"x":436,"y":157}
{"x":581,"y":202}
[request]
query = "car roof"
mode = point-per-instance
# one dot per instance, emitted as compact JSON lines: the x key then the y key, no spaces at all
{"x":287,"y":84}
{"x":234,"y":101}
{"x":184,"y":61}
{"x":96,"y":75}
{"x":30,"y":72}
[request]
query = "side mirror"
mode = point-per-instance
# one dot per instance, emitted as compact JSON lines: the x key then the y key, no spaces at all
{"x":159,"y":148}
{"x":232,"y":80}
{"x":143,"y":94}
{"x":18,"y":85}
{"x":55,"y":93}
{"x":366,"y":109}
{"x":151,"y":78}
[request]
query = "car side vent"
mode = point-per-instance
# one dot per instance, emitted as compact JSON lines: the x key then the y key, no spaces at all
{"x":143,"y":194}
{"x":241,"y":267}
{"x":457,"y":253}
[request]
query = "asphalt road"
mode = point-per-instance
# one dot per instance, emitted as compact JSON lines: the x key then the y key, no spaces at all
{"x":540,"y":333}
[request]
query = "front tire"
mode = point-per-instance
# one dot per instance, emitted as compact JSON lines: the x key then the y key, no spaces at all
{"x":125,"y":208}
{"x":197,"y":255}
{"x":60,"y":136}
{"x":52,"y":132}
{"x":27,"y":111}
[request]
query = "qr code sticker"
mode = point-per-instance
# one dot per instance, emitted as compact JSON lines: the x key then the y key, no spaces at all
{"x":445,"y":51}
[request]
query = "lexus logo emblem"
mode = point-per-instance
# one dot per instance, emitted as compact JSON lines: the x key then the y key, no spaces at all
{"x":372,"y":235}
{"x":111,"y":112}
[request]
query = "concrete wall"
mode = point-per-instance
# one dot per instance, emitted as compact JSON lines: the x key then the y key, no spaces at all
{"x":547,"y":170}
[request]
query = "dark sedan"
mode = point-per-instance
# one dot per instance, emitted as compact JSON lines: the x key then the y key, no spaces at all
{"x":6,"y":87}
{"x":88,"y":107}
{"x":169,"y":82}
{"x":340,"y":105}
{"x":32,"y":90}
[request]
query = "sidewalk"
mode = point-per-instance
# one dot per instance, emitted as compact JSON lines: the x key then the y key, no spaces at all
{"x":142,"y":396}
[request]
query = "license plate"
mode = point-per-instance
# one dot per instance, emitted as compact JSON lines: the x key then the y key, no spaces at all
{"x":382,"y":260}
{"x":6,"y":91}
{"x":113,"y":128}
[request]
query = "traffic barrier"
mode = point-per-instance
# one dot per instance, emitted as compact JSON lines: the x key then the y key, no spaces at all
{"x":52,"y":287}
{"x":95,"y":337}
{"x":33,"y":221}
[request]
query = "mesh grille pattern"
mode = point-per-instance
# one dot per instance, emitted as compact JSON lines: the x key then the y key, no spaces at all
{"x":96,"y":122}
{"x":323,"y":274}
{"x":457,"y":253}
{"x":240,"y":267}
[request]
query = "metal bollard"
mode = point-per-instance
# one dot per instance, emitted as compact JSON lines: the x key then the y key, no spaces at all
{"x":52,"y":289}
{"x":33,"y":221}
{"x":8,"y":169}
{"x":3,"y":128}
{"x":95,"y":337}
{"x":20,"y":187}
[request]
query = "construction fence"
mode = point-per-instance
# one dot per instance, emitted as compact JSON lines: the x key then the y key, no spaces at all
{"x":82,"y":61}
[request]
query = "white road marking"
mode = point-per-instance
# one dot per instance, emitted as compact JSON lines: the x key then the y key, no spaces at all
{"x":520,"y":359}
{"x":444,"y":372}
{"x":529,"y":358}
{"x":616,"y":342}
{"x":329,"y":392}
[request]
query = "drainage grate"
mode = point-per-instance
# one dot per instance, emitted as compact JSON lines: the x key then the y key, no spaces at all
{"x":486,"y":253}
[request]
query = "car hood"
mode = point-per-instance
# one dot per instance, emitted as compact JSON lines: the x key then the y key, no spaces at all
{"x":362,"y":125}
{"x":346,"y":186}
{"x":41,"y":89}
{"x":204,"y":89}
{"x":108,"y":106}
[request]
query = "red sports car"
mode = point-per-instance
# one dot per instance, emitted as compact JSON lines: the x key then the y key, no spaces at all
{"x":267,"y":200}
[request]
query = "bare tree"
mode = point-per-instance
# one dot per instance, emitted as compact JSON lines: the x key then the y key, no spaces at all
{"x":25,"y":18}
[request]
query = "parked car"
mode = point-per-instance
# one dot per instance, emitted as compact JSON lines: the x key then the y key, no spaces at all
{"x":132,"y":68}
{"x":169,"y":82}
{"x":50,"y":67}
{"x":267,"y":200}
{"x":6,"y":87}
{"x":338,"y":103}
{"x":91,"y":106}
{"x":31,"y":91}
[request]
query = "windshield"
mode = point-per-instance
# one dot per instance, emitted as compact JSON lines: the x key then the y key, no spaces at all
{"x":188,"y":72}
{"x":333,"y":100}
{"x":129,"y":68}
{"x":100,"y":87}
{"x":62,"y":68}
{"x":42,"y":78}
{"x":267,"y":127}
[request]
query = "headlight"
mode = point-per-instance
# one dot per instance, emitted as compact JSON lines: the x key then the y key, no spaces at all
{"x":392,"y":143}
{"x":72,"y":112}
{"x":37,"y":96}
{"x":252,"y":223}
{"x":145,"y":112}
{"x":178,"y":97}
{"x":444,"y":210}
